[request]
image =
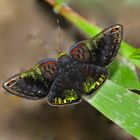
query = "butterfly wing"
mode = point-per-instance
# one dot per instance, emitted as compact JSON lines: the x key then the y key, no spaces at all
{"x":80,"y":52}
{"x":88,"y":79}
{"x":34,"y":83}
{"x":93,"y":77}
{"x":101,"y":49}
{"x":63,"y":92}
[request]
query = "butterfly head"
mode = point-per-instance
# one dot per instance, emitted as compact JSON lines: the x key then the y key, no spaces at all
{"x":60,"y":54}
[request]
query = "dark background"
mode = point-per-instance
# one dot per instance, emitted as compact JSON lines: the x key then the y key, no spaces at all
{"x":29,"y":33}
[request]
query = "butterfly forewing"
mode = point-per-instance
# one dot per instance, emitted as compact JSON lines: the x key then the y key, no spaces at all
{"x":101,"y":49}
{"x":34,"y":83}
{"x":48,"y":68}
{"x":80,"y":52}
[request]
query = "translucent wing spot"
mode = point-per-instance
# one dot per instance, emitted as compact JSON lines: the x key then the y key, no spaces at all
{"x":10,"y":82}
{"x":115,"y":29}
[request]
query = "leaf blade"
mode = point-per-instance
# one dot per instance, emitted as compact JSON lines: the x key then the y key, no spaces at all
{"x":120,"y":105}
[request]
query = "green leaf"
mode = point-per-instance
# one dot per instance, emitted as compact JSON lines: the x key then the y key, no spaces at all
{"x":131,"y":53}
{"x":135,"y":54}
{"x":120,"y":105}
{"x":123,"y":73}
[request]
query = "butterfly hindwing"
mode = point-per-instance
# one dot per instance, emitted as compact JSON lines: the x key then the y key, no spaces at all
{"x":63,"y":91}
{"x":34,"y":83}
{"x":93,"y":77}
{"x":101,"y":49}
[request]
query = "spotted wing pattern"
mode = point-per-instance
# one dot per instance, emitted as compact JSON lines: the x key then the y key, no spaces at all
{"x":34,"y":83}
{"x":101,"y":49}
{"x":80,"y":52}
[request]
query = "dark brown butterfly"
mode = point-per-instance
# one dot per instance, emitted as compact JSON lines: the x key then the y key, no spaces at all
{"x":80,"y":72}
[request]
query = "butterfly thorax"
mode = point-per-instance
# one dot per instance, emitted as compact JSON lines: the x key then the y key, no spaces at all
{"x":65,"y":62}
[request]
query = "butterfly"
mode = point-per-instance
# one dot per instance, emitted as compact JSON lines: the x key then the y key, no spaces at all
{"x":80,"y":72}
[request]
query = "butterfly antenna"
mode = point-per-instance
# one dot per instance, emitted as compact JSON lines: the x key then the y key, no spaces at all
{"x":59,"y":39}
